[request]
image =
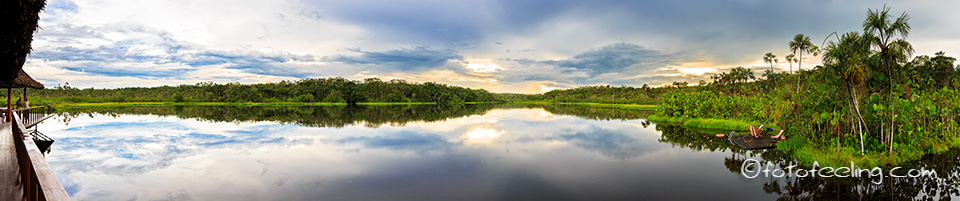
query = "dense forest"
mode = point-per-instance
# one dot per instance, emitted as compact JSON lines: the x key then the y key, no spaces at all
{"x":644,"y":95}
{"x":868,"y":98}
{"x":336,"y":90}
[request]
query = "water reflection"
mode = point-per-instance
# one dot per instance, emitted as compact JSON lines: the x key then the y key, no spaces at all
{"x":332,"y":116}
{"x":404,"y":141}
{"x":610,"y":143}
{"x":944,"y":186}
{"x":340,"y":116}
{"x":471,"y":152}
{"x":481,"y":136}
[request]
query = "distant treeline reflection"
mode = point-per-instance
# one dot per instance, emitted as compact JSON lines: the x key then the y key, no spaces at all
{"x":340,"y":116}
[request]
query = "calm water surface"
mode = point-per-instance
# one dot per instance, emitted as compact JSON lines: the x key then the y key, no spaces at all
{"x":473,"y":152}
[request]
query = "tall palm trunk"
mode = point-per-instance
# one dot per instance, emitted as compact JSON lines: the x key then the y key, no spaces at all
{"x":892,"y":111}
{"x":799,"y":67}
{"x":861,"y":124}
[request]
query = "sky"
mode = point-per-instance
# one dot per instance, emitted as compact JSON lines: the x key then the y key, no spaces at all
{"x":528,"y":46}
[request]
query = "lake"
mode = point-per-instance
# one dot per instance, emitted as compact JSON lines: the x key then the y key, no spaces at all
{"x":469,"y":152}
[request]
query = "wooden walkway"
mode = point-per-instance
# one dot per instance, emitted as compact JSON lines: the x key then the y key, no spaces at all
{"x":9,"y":167}
{"x":24,"y":172}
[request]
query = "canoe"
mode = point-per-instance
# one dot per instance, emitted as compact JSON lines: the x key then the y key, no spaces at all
{"x":747,"y":141}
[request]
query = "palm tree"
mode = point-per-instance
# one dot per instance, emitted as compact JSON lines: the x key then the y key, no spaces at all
{"x":800,"y":44}
{"x":892,"y":50}
{"x":846,"y":59}
{"x":770,"y":58}
{"x":790,"y":59}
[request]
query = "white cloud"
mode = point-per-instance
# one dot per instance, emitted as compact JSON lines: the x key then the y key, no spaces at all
{"x":497,"y":45}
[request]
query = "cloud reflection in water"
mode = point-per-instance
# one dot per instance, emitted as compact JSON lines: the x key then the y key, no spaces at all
{"x":148,"y":157}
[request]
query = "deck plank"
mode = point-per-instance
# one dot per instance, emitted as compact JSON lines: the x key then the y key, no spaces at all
{"x":10,"y":188}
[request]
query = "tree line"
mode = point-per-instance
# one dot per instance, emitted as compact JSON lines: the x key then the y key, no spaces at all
{"x":645,"y":94}
{"x":337,"y":90}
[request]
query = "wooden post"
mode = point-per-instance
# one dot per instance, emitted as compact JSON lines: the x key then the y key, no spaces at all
{"x":9,"y":105}
{"x":25,"y":100}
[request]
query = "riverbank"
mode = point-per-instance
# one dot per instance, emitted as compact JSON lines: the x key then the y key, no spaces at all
{"x":807,"y":152}
{"x":708,"y":123}
{"x":621,"y":106}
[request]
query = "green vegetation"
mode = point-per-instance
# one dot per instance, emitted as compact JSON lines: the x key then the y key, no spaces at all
{"x":621,"y":106}
{"x":312,"y":91}
{"x":587,"y":110}
{"x":721,"y":125}
{"x":867,"y":103}
{"x":645,"y":95}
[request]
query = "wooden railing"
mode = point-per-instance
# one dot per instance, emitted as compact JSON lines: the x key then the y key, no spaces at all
{"x":33,"y":115}
{"x":36,"y":178}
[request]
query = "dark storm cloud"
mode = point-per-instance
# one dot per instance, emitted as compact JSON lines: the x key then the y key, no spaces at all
{"x":620,"y":59}
{"x":732,"y":30}
{"x":617,"y":57}
{"x":405,"y":59}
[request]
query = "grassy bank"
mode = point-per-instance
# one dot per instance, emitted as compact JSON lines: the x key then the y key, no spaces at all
{"x":707,"y":123}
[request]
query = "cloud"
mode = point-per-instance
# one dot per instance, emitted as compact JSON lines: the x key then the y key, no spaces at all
{"x":619,"y":57}
{"x":146,"y":53}
{"x":414,"y":59}
{"x":537,"y":42}
{"x":430,"y":22}
{"x":616,"y":64}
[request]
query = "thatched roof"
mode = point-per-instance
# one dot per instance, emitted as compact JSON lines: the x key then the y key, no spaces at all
{"x":19,"y":20}
{"x":22,"y":80}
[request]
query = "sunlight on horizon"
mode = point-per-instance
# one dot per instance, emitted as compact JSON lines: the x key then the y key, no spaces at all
{"x":697,"y":71}
{"x":482,"y":66}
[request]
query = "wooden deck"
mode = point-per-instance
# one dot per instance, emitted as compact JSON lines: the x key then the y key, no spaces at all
{"x":24,"y":172}
{"x":9,"y":166}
